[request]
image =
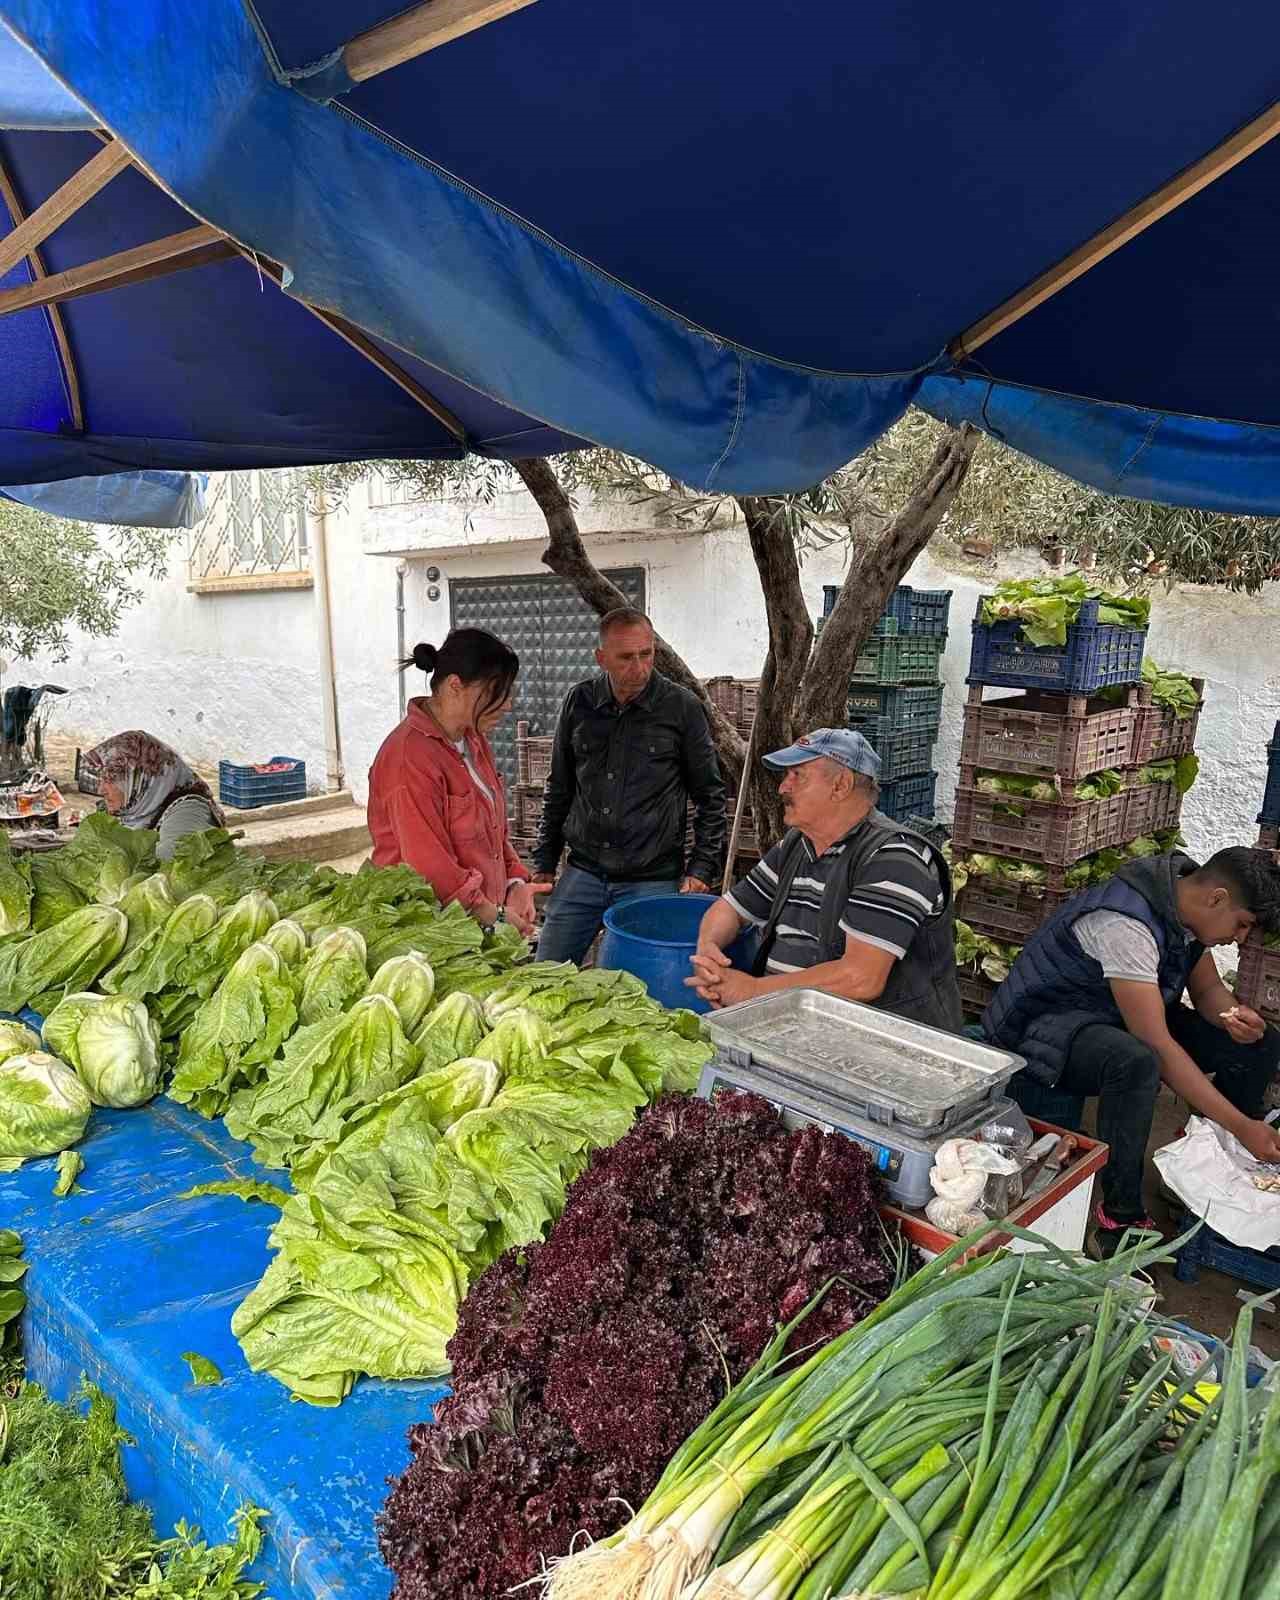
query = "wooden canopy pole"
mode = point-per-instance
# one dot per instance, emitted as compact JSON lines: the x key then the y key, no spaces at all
{"x":418,"y":30}
{"x":1230,"y":153}
{"x":361,"y":342}
{"x":9,"y":194}
{"x":80,"y":188}
{"x":196,"y":247}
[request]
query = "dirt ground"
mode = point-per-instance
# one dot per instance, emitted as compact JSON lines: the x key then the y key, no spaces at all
{"x":1212,"y":1304}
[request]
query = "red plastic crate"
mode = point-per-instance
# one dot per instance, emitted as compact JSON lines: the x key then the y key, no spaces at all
{"x":1055,"y":832}
{"x":1160,"y":735}
{"x":1008,"y":912}
{"x":1067,"y":735}
{"x":1258,"y":980}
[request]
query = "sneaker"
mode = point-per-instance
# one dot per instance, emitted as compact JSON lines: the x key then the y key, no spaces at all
{"x":1108,"y":1234}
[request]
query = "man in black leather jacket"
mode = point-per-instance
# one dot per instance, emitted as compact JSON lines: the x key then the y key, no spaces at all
{"x":632,"y":749}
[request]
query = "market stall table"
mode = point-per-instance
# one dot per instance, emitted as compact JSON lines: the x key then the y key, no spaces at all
{"x":125,"y":1277}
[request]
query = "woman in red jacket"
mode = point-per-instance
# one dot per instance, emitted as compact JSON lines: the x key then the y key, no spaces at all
{"x":436,"y":799}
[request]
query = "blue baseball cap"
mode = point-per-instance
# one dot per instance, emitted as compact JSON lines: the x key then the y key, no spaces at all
{"x":845,"y":745}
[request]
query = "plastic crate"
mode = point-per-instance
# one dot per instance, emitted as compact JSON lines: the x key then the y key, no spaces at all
{"x":1153,"y":807}
{"x":736,"y":698}
{"x":1047,"y":734}
{"x":1270,"y":813}
{"x":918,"y":611}
{"x":1008,"y":912}
{"x":1209,"y":1249}
{"x":1258,"y":980}
{"x":975,"y":991}
{"x":533,"y":756}
{"x":1055,"y":832}
{"x":1095,"y":656}
{"x":1269,"y":837}
{"x":245,"y":788}
{"x":895,"y":709}
{"x":903,"y":753}
{"x":85,"y":781}
{"x":1161,"y":736}
{"x":907,"y":797}
{"x":527,"y":809}
{"x":899,"y":658}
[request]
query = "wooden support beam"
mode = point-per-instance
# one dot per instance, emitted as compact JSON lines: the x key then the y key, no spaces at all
{"x":9,"y":194}
{"x":418,"y":30}
{"x":361,"y":342}
{"x":197,"y":247}
{"x":1230,"y":153}
{"x":63,"y":203}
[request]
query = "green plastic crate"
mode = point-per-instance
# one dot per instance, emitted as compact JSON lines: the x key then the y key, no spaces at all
{"x":899,"y":658}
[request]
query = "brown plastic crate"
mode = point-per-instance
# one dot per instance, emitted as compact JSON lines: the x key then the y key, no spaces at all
{"x":1258,"y":980}
{"x":528,"y":809}
{"x":1269,"y":838}
{"x":975,"y":992}
{"x":1152,"y":808}
{"x":1160,"y":735}
{"x":533,"y":757}
{"x":1055,"y":832}
{"x":736,"y":698}
{"x":1008,"y":912}
{"x":1067,"y":735}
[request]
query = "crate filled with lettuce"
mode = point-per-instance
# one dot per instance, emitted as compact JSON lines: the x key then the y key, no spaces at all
{"x":1065,"y":635}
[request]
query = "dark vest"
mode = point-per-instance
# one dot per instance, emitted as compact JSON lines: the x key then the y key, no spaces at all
{"x":922,"y":986}
{"x":1054,"y":989}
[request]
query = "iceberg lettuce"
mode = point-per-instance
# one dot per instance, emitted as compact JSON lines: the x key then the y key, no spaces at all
{"x":44,"y":1108}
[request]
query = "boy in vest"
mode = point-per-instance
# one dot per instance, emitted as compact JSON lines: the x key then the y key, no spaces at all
{"x":849,"y":901}
{"x":1095,"y":1004}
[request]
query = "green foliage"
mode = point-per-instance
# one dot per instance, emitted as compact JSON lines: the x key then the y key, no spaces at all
{"x":68,"y":1530}
{"x":58,"y":575}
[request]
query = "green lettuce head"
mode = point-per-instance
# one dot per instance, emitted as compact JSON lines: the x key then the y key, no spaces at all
{"x":44,"y":1108}
{"x":454,"y":1029}
{"x":119,"y":1052}
{"x":449,"y":1092}
{"x":16,"y":1039}
{"x":520,"y":1038}
{"x":39,"y":970}
{"x":409,"y":983}
{"x":288,"y":940}
{"x":15,"y":890}
{"x":62,"y":1025}
{"x":334,"y":976}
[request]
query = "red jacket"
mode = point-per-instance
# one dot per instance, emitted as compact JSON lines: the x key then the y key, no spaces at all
{"x":425,"y":810}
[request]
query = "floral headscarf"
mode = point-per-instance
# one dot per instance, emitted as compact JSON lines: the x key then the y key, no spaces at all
{"x":149,"y":774}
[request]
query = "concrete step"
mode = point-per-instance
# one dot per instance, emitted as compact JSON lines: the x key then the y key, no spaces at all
{"x":333,"y":836}
{"x":313,"y":805}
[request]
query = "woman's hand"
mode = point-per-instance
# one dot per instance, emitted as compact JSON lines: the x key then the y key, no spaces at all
{"x":522,"y":906}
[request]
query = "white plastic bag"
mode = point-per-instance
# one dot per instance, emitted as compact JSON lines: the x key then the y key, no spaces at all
{"x":961,"y":1170}
{"x":952,"y":1218}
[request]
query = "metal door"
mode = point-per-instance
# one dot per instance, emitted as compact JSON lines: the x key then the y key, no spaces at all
{"x":553,"y":631}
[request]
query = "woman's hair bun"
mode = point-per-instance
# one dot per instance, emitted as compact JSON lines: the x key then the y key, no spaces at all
{"x":424,"y":657}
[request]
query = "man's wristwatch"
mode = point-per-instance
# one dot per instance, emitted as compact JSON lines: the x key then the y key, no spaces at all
{"x":501,"y":916}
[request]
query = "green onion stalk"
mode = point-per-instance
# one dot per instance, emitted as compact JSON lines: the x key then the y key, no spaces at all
{"x":816,"y":1436}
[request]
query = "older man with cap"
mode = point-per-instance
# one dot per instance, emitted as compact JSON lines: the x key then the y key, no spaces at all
{"x":849,"y":901}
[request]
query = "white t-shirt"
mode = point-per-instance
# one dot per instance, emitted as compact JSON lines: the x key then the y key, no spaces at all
{"x":1124,"y":947}
{"x":464,"y":750}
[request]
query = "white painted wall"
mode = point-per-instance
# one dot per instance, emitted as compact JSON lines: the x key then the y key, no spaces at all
{"x":237,"y":675}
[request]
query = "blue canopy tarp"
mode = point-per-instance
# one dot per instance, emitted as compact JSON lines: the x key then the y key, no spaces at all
{"x":735,"y":245}
{"x":125,"y":499}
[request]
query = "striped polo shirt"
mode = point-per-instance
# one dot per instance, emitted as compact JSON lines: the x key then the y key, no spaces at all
{"x":899,"y":887}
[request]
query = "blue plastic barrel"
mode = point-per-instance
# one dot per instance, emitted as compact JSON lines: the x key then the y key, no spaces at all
{"x":653,"y":937}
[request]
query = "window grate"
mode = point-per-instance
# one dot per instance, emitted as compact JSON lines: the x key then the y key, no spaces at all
{"x":256,"y":526}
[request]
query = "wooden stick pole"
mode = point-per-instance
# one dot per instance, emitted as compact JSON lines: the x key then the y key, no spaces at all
{"x":57,"y":325}
{"x":1230,"y":153}
{"x":740,"y":807}
{"x":196,"y":247}
{"x":418,"y":30}
{"x":80,"y":188}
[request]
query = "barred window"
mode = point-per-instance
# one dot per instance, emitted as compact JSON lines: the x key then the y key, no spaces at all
{"x":256,"y":526}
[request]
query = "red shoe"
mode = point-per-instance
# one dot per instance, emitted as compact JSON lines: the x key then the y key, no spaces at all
{"x":1109,"y":1233}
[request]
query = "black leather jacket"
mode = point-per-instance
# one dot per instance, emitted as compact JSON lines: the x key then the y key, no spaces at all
{"x":621,"y":781}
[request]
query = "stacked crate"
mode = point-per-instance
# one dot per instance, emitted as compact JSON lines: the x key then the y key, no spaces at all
{"x":895,"y":695}
{"x":1057,"y":730}
{"x":1258,"y":980}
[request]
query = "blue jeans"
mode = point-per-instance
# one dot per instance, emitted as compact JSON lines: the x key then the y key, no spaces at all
{"x":575,"y":912}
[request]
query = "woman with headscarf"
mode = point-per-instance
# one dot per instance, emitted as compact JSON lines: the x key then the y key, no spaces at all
{"x":145,"y":784}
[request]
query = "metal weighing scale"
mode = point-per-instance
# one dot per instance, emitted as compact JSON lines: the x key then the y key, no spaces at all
{"x":899,"y":1088}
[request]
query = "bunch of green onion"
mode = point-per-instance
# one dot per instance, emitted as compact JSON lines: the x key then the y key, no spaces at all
{"x":1001,"y":1428}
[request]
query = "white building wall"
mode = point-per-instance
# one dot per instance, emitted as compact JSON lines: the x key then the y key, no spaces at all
{"x":237,"y":675}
